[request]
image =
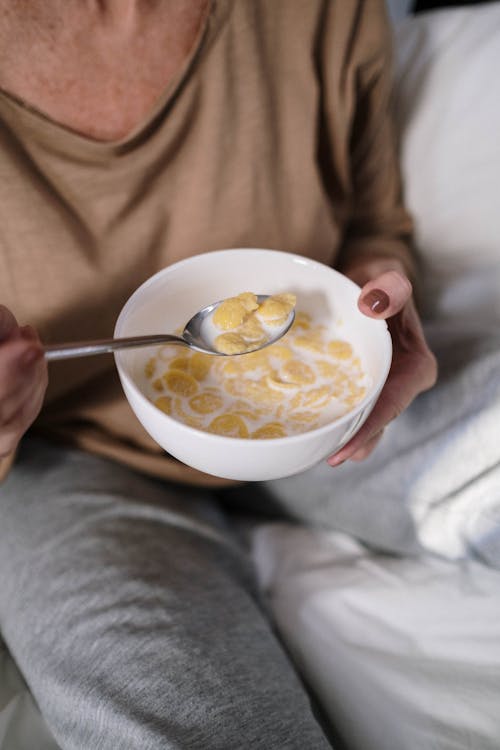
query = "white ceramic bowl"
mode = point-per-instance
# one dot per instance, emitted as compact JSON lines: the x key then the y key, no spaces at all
{"x":166,"y":301}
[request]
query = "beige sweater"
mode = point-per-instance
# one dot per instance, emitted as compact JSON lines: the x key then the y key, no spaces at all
{"x":276,"y":133}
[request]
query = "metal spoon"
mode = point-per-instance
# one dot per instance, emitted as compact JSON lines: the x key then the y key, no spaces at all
{"x":192,"y":337}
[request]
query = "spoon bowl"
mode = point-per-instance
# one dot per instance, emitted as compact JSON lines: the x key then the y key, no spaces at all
{"x":193,"y":336}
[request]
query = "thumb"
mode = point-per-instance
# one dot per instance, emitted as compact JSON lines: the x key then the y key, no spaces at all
{"x":8,"y":323}
{"x":385,"y":295}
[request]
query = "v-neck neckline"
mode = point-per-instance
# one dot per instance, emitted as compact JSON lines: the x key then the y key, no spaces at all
{"x":60,"y":137}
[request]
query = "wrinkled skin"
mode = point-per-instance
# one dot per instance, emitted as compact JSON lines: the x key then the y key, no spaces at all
{"x":388,"y":295}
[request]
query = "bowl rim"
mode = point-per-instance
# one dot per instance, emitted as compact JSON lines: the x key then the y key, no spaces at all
{"x":373,"y":394}
{"x":294,"y":257}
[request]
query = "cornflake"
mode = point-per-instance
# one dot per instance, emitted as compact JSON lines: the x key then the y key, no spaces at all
{"x":305,"y":380}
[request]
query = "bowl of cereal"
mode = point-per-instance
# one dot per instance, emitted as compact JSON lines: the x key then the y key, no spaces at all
{"x":264,"y":414}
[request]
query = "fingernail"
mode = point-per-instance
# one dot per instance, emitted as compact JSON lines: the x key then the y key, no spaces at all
{"x":28,"y":332}
{"x":336,"y":461}
{"x":30,"y":357}
{"x":377,"y":300}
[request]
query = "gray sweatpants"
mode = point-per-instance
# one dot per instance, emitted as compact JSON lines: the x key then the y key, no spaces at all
{"x":130,"y":609}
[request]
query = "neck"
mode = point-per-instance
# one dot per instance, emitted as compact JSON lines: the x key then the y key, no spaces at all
{"x":96,"y":66}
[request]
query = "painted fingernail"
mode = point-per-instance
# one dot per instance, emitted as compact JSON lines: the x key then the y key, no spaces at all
{"x":28,"y":332}
{"x":30,"y":357}
{"x":377,"y":300}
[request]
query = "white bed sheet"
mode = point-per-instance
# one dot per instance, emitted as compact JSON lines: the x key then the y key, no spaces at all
{"x":403,"y":653}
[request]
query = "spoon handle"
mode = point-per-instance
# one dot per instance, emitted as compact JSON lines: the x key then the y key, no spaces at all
{"x":104,"y":346}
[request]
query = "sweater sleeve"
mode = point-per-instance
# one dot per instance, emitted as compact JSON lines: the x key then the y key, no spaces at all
{"x":375,"y":221}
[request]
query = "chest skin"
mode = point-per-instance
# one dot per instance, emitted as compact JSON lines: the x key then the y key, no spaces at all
{"x":96,"y":72}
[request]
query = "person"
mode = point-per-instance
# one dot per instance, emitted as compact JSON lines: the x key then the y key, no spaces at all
{"x":134,"y":134}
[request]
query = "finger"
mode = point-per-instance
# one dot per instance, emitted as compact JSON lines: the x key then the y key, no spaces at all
{"x":13,"y":401}
{"x":21,"y":420}
{"x":9,"y":439}
{"x":385,"y":296}
{"x":29,"y":333}
{"x":367,"y":448}
{"x":386,"y":409}
{"x":30,"y":382}
{"x":21,"y":364}
{"x":16,"y":358}
{"x":12,"y":432}
{"x":8,"y":323}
